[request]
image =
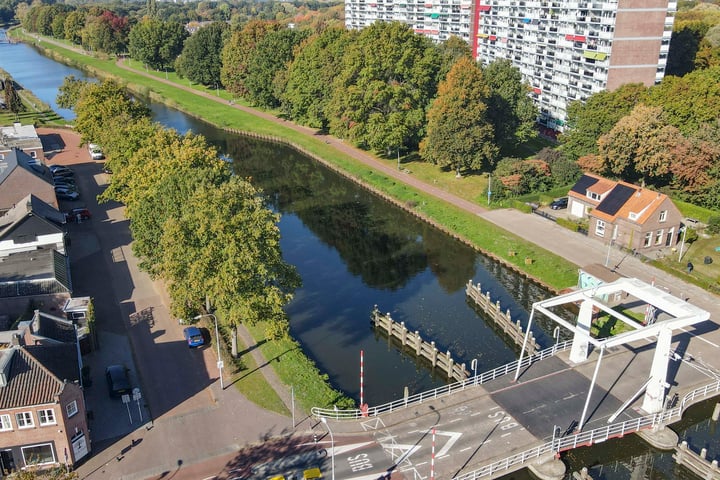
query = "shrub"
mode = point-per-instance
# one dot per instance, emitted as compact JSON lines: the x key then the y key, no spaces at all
{"x":713,"y":227}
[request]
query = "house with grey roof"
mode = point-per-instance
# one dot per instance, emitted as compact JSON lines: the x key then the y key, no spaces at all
{"x":21,"y":175}
{"x":32,"y":225}
{"x":24,"y":137}
{"x":43,"y":418}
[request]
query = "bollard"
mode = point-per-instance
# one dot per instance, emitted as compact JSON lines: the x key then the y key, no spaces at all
{"x":703,"y":453}
{"x":716,"y":412}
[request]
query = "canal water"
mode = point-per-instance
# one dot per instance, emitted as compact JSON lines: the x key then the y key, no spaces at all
{"x":355,"y":251}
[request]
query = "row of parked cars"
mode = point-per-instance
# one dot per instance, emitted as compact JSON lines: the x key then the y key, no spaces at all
{"x":64,"y":181}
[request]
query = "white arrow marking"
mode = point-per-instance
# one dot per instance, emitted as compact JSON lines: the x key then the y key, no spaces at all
{"x":454,"y":437}
{"x":406,"y":449}
{"x":339,"y":450}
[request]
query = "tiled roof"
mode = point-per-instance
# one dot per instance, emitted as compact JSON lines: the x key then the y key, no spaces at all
{"x":28,"y":381}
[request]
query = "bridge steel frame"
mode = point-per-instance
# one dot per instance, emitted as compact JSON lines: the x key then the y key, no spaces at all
{"x":683,"y":313}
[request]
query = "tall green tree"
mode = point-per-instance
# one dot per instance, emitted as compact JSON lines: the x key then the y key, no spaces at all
{"x":237,"y":52}
{"x":388,"y":78}
{"x":511,"y":111}
{"x":311,"y":74}
{"x":12,"y":98}
{"x":156,"y":43}
{"x":106,"y":32}
{"x":459,"y":133}
{"x":200,"y":60}
{"x":74,"y":23}
{"x":268,"y":61}
{"x":588,"y":121}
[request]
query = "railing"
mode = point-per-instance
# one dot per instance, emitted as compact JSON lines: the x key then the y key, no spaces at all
{"x":441,"y":391}
{"x":596,"y":435}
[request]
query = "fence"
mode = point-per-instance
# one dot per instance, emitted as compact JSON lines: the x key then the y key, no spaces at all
{"x":421,"y":348}
{"x":502,"y":319}
{"x":441,"y":391}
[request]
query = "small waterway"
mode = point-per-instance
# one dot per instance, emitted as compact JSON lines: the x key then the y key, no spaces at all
{"x":353,"y":251}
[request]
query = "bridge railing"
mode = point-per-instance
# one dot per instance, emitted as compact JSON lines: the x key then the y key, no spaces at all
{"x":443,"y":390}
{"x":596,"y":435}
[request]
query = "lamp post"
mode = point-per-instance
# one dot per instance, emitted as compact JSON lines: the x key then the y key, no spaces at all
{"x":217,"y":89}
{"x":398,"y":152}
{"x":332,"y":446}
{"x":217,"y":340}
{"x":682,"y":244}
{"x":489,"y":186}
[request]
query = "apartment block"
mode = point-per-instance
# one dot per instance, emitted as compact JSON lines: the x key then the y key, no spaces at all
{"x":565,"y":50}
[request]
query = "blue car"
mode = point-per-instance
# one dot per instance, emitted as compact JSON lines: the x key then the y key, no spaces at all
{"x":194,"y":337}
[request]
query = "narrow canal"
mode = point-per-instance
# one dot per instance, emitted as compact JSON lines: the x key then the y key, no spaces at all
{"x":354,"y":251}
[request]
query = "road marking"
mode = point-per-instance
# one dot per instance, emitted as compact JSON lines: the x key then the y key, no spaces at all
{"x":456,"y":420}
{"x":454,"y":437}
{"x":464,"y":449}
{"x":476,"y":413}
{"x":348,"y":448}
{"x":701,"y":338}
{"x":407,"y":450}
{"x":505,"y":434}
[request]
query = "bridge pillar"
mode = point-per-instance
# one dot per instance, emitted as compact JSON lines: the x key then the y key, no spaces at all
{"x":655,"y":392}
{"x":579,"y":350}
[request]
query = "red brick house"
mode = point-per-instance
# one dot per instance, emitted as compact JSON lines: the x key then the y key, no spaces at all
{"x":43,"y":420}
{"x":628,"y":215}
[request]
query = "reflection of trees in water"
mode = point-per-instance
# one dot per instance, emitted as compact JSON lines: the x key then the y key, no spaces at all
{"x":378,"y":241}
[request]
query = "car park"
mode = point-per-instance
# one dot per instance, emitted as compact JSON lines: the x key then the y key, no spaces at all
{"x":117,"y":380}
{"x":559,"y":203}
{"x":193,"y":336}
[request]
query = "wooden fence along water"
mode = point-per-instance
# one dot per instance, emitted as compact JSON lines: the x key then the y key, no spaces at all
{"x":413,"y":342}
{"x":502,"y":319}
{"x":698,"y":464}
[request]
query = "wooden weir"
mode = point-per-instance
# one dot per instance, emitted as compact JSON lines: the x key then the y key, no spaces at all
{"x":698,"y":464}
{"x":502,"y":319}
{"x":413,"y":342}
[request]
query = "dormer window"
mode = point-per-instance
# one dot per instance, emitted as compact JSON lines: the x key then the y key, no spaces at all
{"x":663,"y":216}
{"x":633,"y":216}
{"x":593,"y":196}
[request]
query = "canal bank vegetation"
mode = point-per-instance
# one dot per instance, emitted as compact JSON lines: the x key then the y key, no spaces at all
{"x":23,"y":106}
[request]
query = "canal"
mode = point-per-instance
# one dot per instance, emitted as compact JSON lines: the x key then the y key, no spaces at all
{"x":354,"y":251}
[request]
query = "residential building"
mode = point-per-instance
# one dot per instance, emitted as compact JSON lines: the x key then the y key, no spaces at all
{"x":566,"y":51}
{"x":43,"y":420}
{"x":20,"y":174}
{"x":23,"y":137}
{"x":31,"y":225}
{"x":625,"y":215}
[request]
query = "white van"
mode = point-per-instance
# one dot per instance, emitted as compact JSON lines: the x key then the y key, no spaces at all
{"x":96,"y":152}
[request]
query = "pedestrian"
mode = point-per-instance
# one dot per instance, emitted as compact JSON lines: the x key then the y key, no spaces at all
{"x":690,"y":267}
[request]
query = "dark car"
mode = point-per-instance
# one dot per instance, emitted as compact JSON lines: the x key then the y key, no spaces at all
{"x":60,"y":171}
{"x":64,"y":182}
{"x":117,"y":380}
{"x":193,"y":337}
{"x":63,"y":194}
{"x":559,"y":203}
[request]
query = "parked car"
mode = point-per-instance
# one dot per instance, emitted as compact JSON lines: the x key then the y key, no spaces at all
{"x":60,"y":171}
{"x":560,"y":203}
{"x":117,"y":380}
{"x":193,"y":337}
{"x":96,"y":152}
{"x":64,"y":182}
{"x":72,"y":215}
{"x":64,"y":194}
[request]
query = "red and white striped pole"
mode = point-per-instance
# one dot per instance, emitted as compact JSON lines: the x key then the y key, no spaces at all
{"x":432,"y":457}
{"x":362,"y":374}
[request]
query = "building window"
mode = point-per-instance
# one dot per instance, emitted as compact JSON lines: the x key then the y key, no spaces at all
{"x":47,"y":416}
{"x":600,"y":228}
{"x":593,"y":195}
{"x":38,"y":454}
{"x":648,"y":239}
{"x":71,"y":408}
{"x":33,"y":154}
{"x":5,"y":423}
{"x":663,"y":216}
{"x":658,"y":237}
{"x":24,"y":420}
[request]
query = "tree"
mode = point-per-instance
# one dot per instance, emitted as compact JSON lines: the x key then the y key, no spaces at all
{"x":106,"y":32}
{"x":640,"y":146}
{"x":269,"y":59}
{"x":69,"y":92}
{"x":684,"y":45}
{"x":74,"y":23}
{"x":12,"y":99}
{"x":451,"y":50}
{"x":200,"y":60}
{"x":311,"y":74}
{"x":97,"y":103}
{"x":459,"y":134}
{"x":519,"y":176}
{"x":511,"y":110}
{"x":156,"y":43}
{"x":588,"y":121}
{"x":388,"y":77}
{"x":226,"y":246}
{"x":237,"y":52}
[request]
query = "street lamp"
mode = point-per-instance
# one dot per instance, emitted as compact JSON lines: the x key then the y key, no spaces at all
{"x":217,"y":340}
{"x":489,"y":186}
{"x":682,"y":244}
{"x":217,"y":89}
{"x":332,"y":446}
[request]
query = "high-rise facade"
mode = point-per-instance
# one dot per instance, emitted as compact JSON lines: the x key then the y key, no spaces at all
{"x":566,"y":50}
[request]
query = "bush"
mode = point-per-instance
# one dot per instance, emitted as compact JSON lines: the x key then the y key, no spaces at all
{"x":569,"y":224}
{"x":713,"y":227}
